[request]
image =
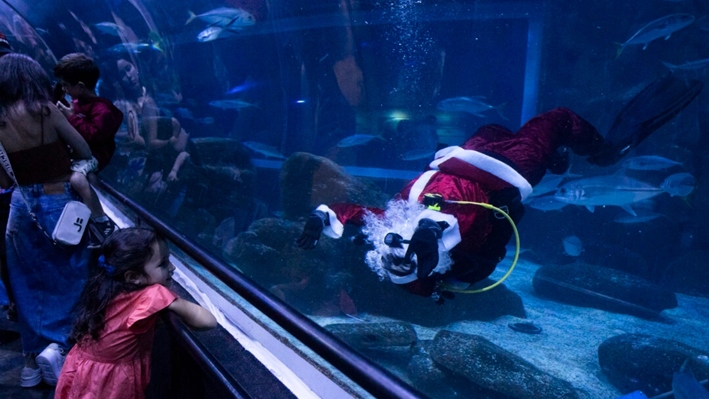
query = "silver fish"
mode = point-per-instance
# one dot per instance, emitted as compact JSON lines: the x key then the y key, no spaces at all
{"x":414,"y":155}
{"x":473,"y":105}
{"x":207,"y":120}
{"x":649,"y":162}
{"x":230,"y":104}
{"x":613,"y":190}
{"x":233,"y":18}
{"x":356,"y":140}
{"x":688,"y":66}
{"x":214,"y":33}
{"x":640,"y":217}
{"x":133,"y":48}
{"x":110,"y":28}
{"x":659,"y":28}
{"x":679,"y":184}
{"x":263,"y":149}
{"x":545,"y":203}
{"x":209,"y":34}
{"x":549,"y":183}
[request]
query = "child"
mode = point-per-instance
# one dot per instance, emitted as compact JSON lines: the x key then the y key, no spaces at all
{"x":117,"y":315}
{"x":97,"y":120}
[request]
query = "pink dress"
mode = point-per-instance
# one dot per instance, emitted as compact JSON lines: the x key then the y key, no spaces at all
{"x":117,"y":365}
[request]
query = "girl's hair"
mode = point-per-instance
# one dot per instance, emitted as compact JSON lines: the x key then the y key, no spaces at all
{"x":126,"y":250}
{"x":22,"y":79}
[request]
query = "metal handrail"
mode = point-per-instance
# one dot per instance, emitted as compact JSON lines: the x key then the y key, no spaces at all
{"x":370,"y":376}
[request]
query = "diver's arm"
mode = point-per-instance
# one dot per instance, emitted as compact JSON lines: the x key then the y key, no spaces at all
{"x":330,"y":221}
{"x":341,"y":214}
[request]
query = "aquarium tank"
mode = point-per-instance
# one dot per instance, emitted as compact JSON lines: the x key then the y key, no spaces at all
{"x":488,"y":199}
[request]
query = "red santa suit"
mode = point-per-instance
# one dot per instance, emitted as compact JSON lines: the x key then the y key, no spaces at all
{"x":494,"y":159}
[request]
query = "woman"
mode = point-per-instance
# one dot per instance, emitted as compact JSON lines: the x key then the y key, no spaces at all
{"x":159,"y":140}
{"x":46,"y":278}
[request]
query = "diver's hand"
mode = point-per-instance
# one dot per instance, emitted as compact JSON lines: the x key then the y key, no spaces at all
{"x":559,"y":161}
{"x":313,"y":229}
{"x":424,"y":244}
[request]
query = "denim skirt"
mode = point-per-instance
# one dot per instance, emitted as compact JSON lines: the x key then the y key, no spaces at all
{"x":47,"y":279}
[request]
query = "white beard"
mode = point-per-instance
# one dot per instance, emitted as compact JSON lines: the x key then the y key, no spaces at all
{"x":401,"y":217}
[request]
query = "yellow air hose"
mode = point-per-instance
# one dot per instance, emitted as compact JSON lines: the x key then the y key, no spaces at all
{"x":514,"y":262}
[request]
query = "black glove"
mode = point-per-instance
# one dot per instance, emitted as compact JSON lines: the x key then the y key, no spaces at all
{"x":312,"y":230}
{"x":559,"y":161}
{"x":607,"y":156}
{"x":424,"y":243}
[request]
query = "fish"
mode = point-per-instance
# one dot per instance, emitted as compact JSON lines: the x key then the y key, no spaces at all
{"x":234,"y":18}
{"x":356,"y":140}
{"x":207,"y":120}
{"x":214,"y":33}
{"x":110,"y":28}
{"x":649,"y":162}
{"x":679,"y":184}
{"x":230,"y":104}
{"x":659,"y":28}
{"x":183,"y":112}
{"x":686,"y":386}
{"x":640,"y":217}
{"x":550,"y":183}
{"x":573,"y":246}
{"x":209,"y":34}
{"x":414,"y":155}
{"x":616,"y":190}
{"x":697,"y":65}
{"x":133,"y":48}
{"x":263,"y":149}
{"x":248,"y":84}
{"x":473,"y":105}
{"x":545,"y":203}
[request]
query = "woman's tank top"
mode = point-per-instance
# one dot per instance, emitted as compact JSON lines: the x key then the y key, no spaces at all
{"x":42,"y":164}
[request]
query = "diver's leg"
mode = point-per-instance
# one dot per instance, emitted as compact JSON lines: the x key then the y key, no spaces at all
{"x":534,"y":145}
{"x":487,"y":134}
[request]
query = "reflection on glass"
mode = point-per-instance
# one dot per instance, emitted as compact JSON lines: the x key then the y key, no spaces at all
{"x":243,"y":116}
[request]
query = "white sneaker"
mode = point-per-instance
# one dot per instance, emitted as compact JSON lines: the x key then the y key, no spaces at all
{"x":30,"y":377}
{"x":50,"y":361}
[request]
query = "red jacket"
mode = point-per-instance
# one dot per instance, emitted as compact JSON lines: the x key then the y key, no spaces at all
{"x":97,"y":120}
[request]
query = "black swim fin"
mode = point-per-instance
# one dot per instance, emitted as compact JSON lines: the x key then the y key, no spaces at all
{"x":649,"y":110}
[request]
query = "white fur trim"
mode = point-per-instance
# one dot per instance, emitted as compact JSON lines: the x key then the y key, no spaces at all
{"x":335,"y":229}
{"x":402,"y":279}
{"x":420,"y":184}
{"x":486,"y":163}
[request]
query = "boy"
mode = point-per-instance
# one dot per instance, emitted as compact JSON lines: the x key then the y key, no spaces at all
{"x":97,"y":120}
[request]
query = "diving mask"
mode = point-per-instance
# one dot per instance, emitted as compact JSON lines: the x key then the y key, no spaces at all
{"x":394,"y":260}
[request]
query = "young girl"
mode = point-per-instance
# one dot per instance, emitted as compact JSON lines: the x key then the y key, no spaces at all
{"x":117,"y":315}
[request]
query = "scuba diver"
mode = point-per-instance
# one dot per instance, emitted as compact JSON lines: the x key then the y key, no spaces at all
{"x":452,"y":239}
